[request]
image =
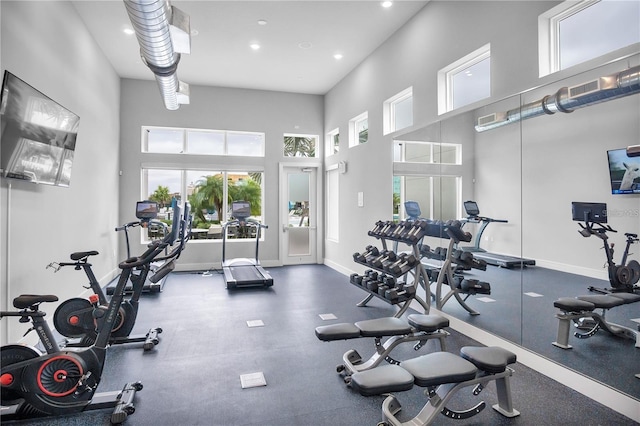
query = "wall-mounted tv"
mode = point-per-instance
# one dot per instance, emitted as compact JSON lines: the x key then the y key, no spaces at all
{"x":37,"y":135}
{"x":624,"y":172}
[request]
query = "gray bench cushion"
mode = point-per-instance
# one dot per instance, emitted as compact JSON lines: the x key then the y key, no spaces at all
{"x":427,"y":323}
{"x":385,"y":379}
{"x":491,"y":359}
{"x":571,"y":304}
{"x":340,"y":331}
{"x":380,"y":327}
{"x":438,"y":368}
{"x":602,"y":301}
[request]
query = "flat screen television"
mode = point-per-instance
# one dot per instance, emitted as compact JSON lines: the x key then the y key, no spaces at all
{"x":624,"y":172}
{"x":37,"y":135}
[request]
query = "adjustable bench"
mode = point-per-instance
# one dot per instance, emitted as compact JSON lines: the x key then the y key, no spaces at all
{"x":443,"y":374}
{"x":580,"y":310}
{"x":418,"y":327}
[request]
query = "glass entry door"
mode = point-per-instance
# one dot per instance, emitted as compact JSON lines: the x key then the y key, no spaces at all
{"x":298,"y":215}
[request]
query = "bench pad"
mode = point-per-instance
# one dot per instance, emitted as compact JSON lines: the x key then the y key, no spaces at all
{"x":571,"y":304}
{"x":340,"y":331}
{"x":380,"y":327}
{"x":427,"y":323}
{"x":627,"y":297}
{"x":438,"y":368}
{"x":491,"y":359}
{"x":602,"y":301}
{"x":384,"y":379}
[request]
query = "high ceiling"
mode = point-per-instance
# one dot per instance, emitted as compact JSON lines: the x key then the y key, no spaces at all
{"x":297,"y":43}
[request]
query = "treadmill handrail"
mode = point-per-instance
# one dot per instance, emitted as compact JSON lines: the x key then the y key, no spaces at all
{"x":249,"y":221}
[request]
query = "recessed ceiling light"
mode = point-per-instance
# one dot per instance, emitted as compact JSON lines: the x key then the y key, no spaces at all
{"x":255,"y":46}
{"x":387,"y":3}
{"x":305,"y":45}
{"x":338,"y":56}
{"x":128,"y":31}
{"x":194,"y":32}
{"x":262,"y":22}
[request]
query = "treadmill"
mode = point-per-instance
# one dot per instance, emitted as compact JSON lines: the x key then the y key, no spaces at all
{"x":243,"y":272}
{"x":501,"y":260}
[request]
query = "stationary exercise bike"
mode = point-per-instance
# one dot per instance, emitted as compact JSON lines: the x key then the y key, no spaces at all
{"x":622,"y":277}
{"x":74,"y":317}
{"x":61,"y":381}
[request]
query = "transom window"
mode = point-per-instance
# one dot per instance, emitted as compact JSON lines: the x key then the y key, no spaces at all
{"x":439,"y":197}
{"x":465,"y":81}
{"x":426,"y":152}
{"x":359,"y":130}
{"x":300,"y":145}
{"x":167,"y":140}
{"x":333,"y":142}
{"x":575,"y":32}
{"x":397,"y":111}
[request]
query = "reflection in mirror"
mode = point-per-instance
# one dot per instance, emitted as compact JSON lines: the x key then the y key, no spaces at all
{"x":526,"y":167}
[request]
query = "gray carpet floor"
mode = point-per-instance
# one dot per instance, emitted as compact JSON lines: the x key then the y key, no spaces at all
{"x":193,"y":376}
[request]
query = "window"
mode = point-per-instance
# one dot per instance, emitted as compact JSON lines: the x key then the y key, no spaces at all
{"x":439,"y":197}
{"x":333,"y":197}
{"x":358,"y":130}
{"x":465,"y":81}
{"x":333,"y":142}
{"x":397,"y":111}
{"x":300,"y":145}
{"x":210,"y":193}
{"x":426,"y":152}
{"x":575,"y":32}
{"x":166,"y":140}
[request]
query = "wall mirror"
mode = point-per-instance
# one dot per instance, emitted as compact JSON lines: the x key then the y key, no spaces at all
{"x":524,"y":161}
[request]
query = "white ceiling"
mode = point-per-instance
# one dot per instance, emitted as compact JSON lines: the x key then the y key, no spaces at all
{"x":220,"y":52}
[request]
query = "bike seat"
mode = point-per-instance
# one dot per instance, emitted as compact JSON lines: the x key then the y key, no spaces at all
{"x":630,"y":235}
{"x":26,"y":300}
{"x":82,"y":254}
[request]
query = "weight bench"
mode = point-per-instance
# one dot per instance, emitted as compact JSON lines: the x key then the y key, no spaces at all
{"x":418,"y":327}
{"x":443,"y":374}
{"x":580,"y":310}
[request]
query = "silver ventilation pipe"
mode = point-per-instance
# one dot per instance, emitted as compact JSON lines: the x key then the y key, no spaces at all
{"x":163,"y":33}
{"x":568,"y":99}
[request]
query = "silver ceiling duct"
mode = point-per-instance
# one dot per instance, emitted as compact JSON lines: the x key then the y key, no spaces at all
{"x":568,"y":99}
{"x":163,"y":33}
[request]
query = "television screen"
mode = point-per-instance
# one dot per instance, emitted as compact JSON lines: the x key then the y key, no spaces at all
{"x":624,"y":172}
{"x":37,"y":135}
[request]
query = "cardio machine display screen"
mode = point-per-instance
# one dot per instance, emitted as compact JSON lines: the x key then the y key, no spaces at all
{"x":589,"y":212}
{"x":146,"y":209}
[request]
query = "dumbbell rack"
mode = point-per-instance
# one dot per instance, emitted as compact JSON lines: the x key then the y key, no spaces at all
{"x":407,"y":233}
{"x":446,"y":274}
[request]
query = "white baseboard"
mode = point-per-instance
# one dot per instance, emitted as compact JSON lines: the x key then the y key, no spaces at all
{"x":600,"y":274}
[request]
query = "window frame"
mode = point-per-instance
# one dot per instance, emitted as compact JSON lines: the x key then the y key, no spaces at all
{"x":389,"y":110}
{"x":549,"y":53}
{"x":354,"y":135}
{"x":330,"y":146}
{"x":446,"y":75}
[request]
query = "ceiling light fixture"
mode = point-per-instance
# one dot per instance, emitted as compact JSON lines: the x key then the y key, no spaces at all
{"x":387,"y":4}
{"x":254,"y":46}
{"x":262,"y":22}
{"x":338,"y":56}
{"x":305,"y":45}
{"x":128,"y":31}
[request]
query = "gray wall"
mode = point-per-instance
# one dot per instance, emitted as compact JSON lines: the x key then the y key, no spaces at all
{"x":274,"y":113}
{"x":510,"y":166}
{"x":47,"y":45}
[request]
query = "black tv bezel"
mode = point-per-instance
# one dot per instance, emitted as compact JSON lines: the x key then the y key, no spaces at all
{"x":66,"y":151}
{"x":579,"y":210}
{"x":619,"y":191}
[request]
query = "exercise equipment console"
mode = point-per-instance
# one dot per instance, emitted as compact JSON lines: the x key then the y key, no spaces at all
{"x":243,"y":272}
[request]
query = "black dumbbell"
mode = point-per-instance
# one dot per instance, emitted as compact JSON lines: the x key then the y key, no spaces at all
{"x":395,"y":294}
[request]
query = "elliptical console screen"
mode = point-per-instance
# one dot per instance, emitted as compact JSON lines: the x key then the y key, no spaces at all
{"x":589,"y":212}
{"x":146,"y":210}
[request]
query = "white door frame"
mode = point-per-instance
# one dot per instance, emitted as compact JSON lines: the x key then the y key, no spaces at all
{"x":318,"y":211}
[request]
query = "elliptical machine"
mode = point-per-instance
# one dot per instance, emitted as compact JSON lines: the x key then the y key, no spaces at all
{"x":64,"y":382}
{"x":74,"y":318}
{"x":622,"y":277}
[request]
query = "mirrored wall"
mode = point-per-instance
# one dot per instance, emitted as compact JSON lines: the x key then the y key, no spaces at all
{"x":518,"y":166}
